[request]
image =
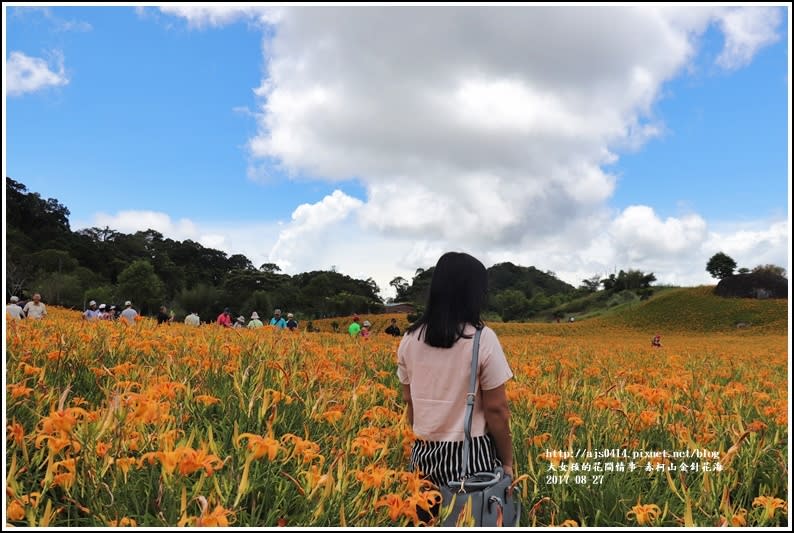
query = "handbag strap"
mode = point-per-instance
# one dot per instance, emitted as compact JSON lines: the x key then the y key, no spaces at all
{"x":475,"y":354}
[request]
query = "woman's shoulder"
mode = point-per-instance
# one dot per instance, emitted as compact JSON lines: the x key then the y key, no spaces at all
{"x":489,"y":337}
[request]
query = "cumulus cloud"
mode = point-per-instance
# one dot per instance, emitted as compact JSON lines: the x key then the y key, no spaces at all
{"x":751,"y":246}
{"x":747,"y":30}
{"x":26,"y":74}
{"x":310,"y":229}
{"x":480,"y":121}
{"x":482,"y":129}
{"x":200,"y":16}
{"x":133,"y":221}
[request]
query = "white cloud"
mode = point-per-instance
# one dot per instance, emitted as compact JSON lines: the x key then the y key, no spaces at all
{"x":133,"y":221}
{"x":55,"y":22}
{"x":747,"y":30}
{"x":478,"y":121}
{"x":751,"y":246}
{"x":483,"y":129}
{"x":639,"y":234}
{"x":26,"y":74}
{"x":200,"y":16}
{"x":310,"y":230}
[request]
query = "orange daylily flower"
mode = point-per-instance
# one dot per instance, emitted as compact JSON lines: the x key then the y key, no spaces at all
{"x":19,"y":390}
{"x":261,"y":446}
{"x":207,"y":400}
{"x":395,"y":504}
{"x":644,"y":514}
{"x":770,"y":505}
{"x":16,"y":432}
{"x":367,"y":446}
{"x":218,"y":517}
{"x":373,"y":477}
{"x":15,"y":511}
{"x":123,"y":522}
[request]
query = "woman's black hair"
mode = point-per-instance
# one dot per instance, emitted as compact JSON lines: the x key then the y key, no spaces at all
{"x":457,"y":294}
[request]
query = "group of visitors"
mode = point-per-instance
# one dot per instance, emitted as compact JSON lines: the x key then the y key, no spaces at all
{"x":357,"y":329}
{"x":225,"y":319}
{"x":105,"y":312}
{"x":34,"y":309}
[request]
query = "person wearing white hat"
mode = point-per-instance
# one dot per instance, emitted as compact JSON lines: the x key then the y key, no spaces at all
{"x":365,"y":329}
{"x":13,"y":310}
{"x":292,"y":324}
{"x":255,"y":322}
{"x":104,"y":314}
{"x":91,"y":313}
{"x":129,"y":314}
{"x":240,"y":322}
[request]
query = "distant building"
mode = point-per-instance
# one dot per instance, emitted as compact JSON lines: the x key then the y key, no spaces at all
{"x":399,"y":307}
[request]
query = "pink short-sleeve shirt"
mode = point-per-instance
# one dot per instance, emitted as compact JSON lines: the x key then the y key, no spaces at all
{"x":439,"y":380}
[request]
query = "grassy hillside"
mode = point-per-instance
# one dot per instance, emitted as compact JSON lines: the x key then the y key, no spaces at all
{"x":698,"y":309}
{"x":597,"y":304}
{"x":670,"y":309}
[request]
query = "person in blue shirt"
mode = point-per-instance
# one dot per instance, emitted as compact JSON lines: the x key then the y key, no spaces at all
{"x":278,"y":320}
{"x":91,"y":313}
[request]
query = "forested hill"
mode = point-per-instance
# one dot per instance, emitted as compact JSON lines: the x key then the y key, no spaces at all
{"x":70,"y":268}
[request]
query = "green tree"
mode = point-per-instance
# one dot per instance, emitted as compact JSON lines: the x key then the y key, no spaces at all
{"x":259,"y":301}
{"x":720,"y":266}
{"x":102,"y":294}
{"x":60,"y":289}
{"x":511,"y":304}
{"x":591,"y":284}
{"x":203,"y":299}
{"x":270,"y":267}
{"x":140,"y":284}
{"x":770,"y":269}
{"x":50,"y":260}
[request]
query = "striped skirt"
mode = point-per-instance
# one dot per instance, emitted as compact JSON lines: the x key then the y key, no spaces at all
{"x":439,"y":461}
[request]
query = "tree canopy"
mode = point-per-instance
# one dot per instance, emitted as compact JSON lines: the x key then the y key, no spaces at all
{"x":720,"y":266}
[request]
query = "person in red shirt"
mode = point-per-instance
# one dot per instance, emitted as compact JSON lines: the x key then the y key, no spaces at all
{"x":225,"y":318}
{"x":656,"y":342}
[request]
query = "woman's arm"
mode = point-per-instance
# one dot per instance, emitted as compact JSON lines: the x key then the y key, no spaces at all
{"x":408,"y":403}
{"x":497,"y":420}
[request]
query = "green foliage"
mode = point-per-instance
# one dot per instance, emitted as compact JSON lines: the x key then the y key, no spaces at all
{"x":720,"y":266}
{"x":61,"y":289}
{"x":202,"y":299}
{"x":259,"y":301}
{"x":628,"y":280}
{"x":102,"y":295}
{"x":141,"y":285}
{"x":591,"y":284}
{"x":511,"y":304}
{"x":50,"y":260}
{"x":770,"y":269}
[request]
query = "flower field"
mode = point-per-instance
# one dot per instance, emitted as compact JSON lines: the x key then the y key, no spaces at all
{"x":116,"y":425}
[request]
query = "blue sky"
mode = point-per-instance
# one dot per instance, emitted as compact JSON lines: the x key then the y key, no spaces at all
{"x":375,"y":139}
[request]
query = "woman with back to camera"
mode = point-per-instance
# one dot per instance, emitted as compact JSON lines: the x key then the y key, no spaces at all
{"x":434,"y":366}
